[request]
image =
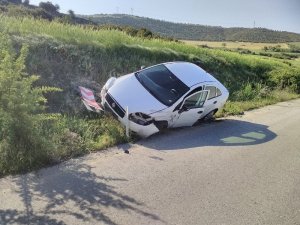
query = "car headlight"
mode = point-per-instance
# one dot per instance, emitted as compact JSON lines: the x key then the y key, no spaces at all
{"x":140,"y":118}
{"x":109,"y":83}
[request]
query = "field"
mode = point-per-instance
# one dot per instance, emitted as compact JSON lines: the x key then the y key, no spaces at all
{"x":234,"y":45}
{"x":66,"y":56}
{"x":297,"y":62}
{"x":286,"y":51}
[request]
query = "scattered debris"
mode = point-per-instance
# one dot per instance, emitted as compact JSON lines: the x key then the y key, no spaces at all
{"x":88,"y":99}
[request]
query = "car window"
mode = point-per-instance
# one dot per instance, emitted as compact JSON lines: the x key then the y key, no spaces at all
{"x":218,"y":92}
{"x":162,"y":84}
{"x":213,"y":92}
{"x":189,"y":94}
{"x":196,"y":100}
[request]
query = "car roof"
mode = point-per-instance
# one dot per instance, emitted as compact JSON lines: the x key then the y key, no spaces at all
{"x":189,"y":73}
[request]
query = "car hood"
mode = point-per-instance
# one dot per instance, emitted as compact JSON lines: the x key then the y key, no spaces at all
{"x":129,"y":92}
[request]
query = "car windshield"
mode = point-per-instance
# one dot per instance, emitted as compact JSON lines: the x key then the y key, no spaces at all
{"x":162,"y":84}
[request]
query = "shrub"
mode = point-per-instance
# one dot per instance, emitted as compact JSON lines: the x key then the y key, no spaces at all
{"x":26,"y":2}
{"x":30,"y":138}
{"x":286,"y":78}
{"x":49,"y":7}
{"x":21,"y":107}
{"x":251,"y":91}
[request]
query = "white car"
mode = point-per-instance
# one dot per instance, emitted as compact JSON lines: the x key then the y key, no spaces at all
{"x":173,"y":94}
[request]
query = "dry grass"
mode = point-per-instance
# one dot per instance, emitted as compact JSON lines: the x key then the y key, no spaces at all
{"x":235,"y":45}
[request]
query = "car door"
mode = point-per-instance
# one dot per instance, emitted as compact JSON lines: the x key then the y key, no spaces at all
{"x":190,"y":110}
{"x":212,"y":99}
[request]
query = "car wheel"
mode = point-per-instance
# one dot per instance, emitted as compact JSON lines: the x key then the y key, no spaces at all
{"x":210,"y":116}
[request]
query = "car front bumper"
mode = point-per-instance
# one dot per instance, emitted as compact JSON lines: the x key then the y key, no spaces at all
{"x":140,"y":130}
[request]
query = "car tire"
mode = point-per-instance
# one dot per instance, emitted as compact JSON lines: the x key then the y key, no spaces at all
{"x":209,"y":116}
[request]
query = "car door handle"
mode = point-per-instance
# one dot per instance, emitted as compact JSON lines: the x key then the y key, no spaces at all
{"x":215,"y":102}
{"x":200,"y":112}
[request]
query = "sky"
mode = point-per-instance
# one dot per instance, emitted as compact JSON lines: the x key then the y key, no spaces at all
{"x":283,"y":15}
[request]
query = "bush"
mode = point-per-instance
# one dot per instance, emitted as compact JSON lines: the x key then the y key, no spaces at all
{"x":21,"y":11}
{"x":21,"y":107}
{"x":30,"y":138}
{"x":286,"y":78}
{"x":294,"y":47}
{"x":26,"y":2}
{"x":49,"y":7}
{"x":251,"y":91}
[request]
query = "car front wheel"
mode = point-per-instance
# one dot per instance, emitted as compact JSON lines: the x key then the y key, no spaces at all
{"x":210,"y":116}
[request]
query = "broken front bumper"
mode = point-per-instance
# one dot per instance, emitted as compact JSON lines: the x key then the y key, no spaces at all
{"x":118,"y":112}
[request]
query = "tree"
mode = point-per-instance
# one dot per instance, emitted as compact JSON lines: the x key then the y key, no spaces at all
{"x":71,"y":14}
{"x":57,"y":7}
{"x":49,"y":7}
{"x":15,"y":1}
{"x":143,"y":32}
{"x":26,"y":2}
{"x":3,"y":2}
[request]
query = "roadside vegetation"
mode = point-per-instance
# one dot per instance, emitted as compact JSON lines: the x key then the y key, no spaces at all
{"x":29,"y":136}
{"x":35,"y":132}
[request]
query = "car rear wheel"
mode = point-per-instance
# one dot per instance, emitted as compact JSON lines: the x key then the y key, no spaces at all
{"x":210,"y":116}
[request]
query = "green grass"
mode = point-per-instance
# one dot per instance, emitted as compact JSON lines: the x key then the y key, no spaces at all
{"x":124,"y":53}
{"x":296,"y":44}
{"x":66,"y":56}
{"x":239,"y":107}
{"x":78,"y":35}
{"x":77,"y":136}
{"x":296,"y":62}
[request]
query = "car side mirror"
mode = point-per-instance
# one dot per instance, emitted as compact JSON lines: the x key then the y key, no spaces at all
{"x":183,"y":109}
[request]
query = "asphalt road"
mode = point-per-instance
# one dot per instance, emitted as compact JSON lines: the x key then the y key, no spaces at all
{"x":240,"y":170}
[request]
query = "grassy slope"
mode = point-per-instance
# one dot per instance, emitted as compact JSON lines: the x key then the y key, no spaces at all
{"x":67,"y":56}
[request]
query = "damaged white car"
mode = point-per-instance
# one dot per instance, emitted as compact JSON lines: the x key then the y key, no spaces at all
{"x":167,"y":95}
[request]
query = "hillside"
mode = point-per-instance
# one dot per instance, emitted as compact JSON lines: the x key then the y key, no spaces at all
{"x":145,"y":27}
{"x":196,"y":32}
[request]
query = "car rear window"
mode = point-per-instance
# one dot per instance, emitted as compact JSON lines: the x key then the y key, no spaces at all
{"x":213,"y":92}
{"x":162,"y":84}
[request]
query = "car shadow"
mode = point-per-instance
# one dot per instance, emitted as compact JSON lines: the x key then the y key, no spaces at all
{"x":72,"y":192}
{"x":217,"y":133}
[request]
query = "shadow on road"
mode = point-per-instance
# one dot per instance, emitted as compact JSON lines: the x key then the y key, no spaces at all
{"x":19,"y":217}
{"x":217,"y":133}
{"x":73,"y":193}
